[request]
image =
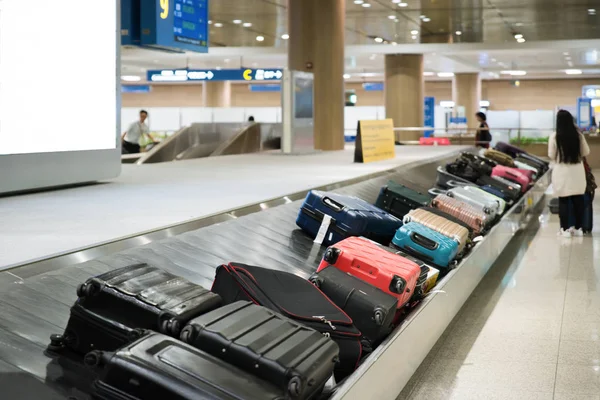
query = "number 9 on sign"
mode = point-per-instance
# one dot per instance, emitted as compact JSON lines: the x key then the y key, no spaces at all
{"x":164,"y":6}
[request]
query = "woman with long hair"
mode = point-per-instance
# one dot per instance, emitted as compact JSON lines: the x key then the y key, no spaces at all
{"x":567,"y":148}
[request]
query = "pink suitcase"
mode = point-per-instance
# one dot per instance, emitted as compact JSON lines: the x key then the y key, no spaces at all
{"x":514,"y":175}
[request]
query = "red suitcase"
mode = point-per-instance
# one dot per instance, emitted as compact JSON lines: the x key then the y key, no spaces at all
{"x":514,"y":175}
{"x":375,"y":265}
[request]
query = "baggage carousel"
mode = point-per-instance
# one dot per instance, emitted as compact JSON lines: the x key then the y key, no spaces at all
{"x":35,"y":302}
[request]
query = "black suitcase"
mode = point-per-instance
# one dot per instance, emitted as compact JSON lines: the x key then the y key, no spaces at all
{"x":160,"y":367}
{"x":371,"y":309}
{"x":113,"y":307}
{"x":398,"y":199}
{"x":464,"y":170}
{"x":540,"y":166}
{"x":544,"y":165}
{"x":482,"y":165}
{"x":295,"y":298}
{"x":443,"y":177}
{"x":295,"y":358}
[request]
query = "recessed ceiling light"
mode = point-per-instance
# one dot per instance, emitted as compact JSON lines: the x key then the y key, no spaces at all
{"x":209,"y":22}
{"x":414,"y":37}
{"x":237,"y":21}
{"x":218,"y":68}
{"x":458,"y":33}
{"x":285,"y":36}
{"x":247,"y":24}
{"x":131,"y":78}
{"x":358,"y":1}
{"x":396,"y":1}
{"x":422,"y":16}
{"x":394,"y":43}
{"x":573,"y":72}
{"x":218,"y":25}
{"x":445,"y":74}
{"x":428,"y":74}
{"x":391,"y":16}
{"x":260,"y":38}
{"x":514,"y":73}
{"x":592,"y":11}
{"x":403,"y":5}
{"x":366,"y":5}
{"x":518,"y":36}
{"x":521,"y":40}
{"x":346,"y":76}
{"x":426,"y":19}
{"x":414,"y":32}
{"x":519,"y":24}
{"x":379,"y":40}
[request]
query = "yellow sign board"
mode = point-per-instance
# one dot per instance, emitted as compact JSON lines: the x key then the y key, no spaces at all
{"x":374,"y":141}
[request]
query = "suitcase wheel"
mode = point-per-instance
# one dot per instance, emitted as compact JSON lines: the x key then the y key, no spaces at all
{"x":93,"y":359}
{"x":57,"y":342}
{"x":316,"y":280}
{"x":331,"y":255}
{"x":295,"y":386}
{"x":378,"y":316}
{"x":88,"y":289}
{"x":136,"y":334}
{"x":168,"y":324}
{"x":187,"y":334}
{"x":398,"y":285}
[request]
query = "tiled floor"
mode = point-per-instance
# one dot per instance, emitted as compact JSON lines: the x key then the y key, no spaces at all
{"x":531,"y":330}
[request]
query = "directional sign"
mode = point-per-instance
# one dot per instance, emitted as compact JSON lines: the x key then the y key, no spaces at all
{"x":194,"y":75}
{"x":591,"y":91}
{"x":175,"y":24}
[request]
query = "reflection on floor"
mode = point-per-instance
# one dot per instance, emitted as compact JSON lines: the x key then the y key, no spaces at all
{"x":531,"y":330}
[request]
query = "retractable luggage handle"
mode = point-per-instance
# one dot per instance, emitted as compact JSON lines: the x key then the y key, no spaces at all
{"x":423,"y":241}
{"x":334,"y":205}
{"x":437,"y":192}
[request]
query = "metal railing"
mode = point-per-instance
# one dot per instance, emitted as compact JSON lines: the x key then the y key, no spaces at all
{"x":462,"y":135}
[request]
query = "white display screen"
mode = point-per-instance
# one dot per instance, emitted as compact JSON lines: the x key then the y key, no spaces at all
{"x":58,"y":85}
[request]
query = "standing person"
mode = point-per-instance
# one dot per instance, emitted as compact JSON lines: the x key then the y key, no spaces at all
{"x":135,"y":132}
{"x":483,"y":137}
{"x":567,"y":148}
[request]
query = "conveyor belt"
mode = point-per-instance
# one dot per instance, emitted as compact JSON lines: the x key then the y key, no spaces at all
{"x":33,"y":308}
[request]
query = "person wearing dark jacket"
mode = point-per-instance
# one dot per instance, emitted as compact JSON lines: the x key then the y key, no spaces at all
{"x":483,"y":137}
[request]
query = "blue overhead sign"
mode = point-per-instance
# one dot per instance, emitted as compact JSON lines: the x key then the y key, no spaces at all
{"x":135,"y":89}
{"x":195,"y":75}
{"x":265,"y":88}
{"x":373,"y":87}
{"x":429,"y":117}
{"x":175,"y":24}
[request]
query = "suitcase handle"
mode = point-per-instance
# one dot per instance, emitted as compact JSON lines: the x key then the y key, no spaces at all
{"x":423,"y":241}
{"x":334,"y":205}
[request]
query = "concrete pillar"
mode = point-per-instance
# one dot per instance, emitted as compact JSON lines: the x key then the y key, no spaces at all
{"x":404,"y":88}
{"x":466,"y":92}
{"x":216,"y":94}
{"x":316,"y":30}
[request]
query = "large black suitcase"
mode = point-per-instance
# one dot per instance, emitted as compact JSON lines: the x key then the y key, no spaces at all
{"x":295,"y":358}
{"x":482,"y":165}
{"x":295,"y":298}
{"x":371,"y":309}
{"x":398,"y":199}
{"x":113,"y":307}
{"x":443,"y":177}
{"x":464,"y":170}
{"x":160,"y":367}
{"x":539,"y":165}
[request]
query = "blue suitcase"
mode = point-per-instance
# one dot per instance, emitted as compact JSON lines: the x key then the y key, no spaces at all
{"x":426,"y":244}
{"x":350,"y":216}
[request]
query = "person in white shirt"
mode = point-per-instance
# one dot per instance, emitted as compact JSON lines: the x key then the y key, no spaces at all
{"x":131,"y":139}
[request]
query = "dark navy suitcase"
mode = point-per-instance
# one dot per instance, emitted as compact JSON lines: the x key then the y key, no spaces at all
{"x":160,"y":367}
{"x":349,"y":216}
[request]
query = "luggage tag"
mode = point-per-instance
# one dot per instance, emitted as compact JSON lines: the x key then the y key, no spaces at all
{"x":323,"y":229}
